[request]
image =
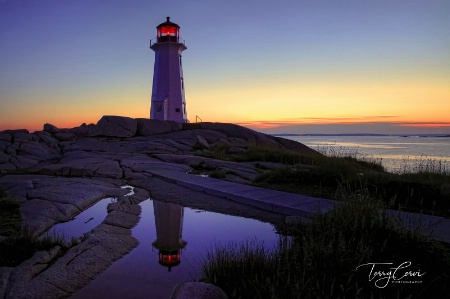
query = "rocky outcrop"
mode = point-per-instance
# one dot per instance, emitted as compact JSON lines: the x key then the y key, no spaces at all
{"x":68,"y":161}
{"x":234,"y":132}
{"x":57,"y":173}
{"x":47,"y":200}
{"x":55,"y":274}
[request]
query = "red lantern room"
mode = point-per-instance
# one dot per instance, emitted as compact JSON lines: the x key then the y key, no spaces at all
{"x":168,"y":32}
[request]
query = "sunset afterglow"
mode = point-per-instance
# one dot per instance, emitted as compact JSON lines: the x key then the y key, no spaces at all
{"x":275,"y":66}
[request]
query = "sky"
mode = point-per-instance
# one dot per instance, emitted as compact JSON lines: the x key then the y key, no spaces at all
{"x":275,"y":66}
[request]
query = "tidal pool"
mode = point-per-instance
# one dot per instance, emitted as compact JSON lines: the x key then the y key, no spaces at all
{"x":173,"y":240}
{"x":86,"y":220}
{"x":83,"y":222}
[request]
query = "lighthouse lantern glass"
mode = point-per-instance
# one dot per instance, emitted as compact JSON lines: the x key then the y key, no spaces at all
{"x":168,"y":34}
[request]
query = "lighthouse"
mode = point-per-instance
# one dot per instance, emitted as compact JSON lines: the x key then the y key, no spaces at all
{"x":168,"y":101}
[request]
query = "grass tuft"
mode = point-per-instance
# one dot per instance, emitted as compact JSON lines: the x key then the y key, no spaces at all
{"x":11,"y":220}
{"x":320,"y":260}
{"x":14,"y":250}
{"x":19,"y":243}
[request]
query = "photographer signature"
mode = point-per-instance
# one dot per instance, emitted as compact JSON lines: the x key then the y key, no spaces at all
{"x":384,"y":273}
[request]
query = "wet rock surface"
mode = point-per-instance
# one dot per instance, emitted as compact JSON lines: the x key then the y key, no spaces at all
{"x":198,"y":290}
{"x":57,"y":173}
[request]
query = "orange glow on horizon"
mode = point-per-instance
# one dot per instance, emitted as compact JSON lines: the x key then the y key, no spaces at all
{"x":284,"y":123}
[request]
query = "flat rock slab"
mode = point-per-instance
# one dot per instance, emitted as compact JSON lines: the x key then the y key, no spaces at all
{"x":86,"y":167}
{"x":58,"y":274}
{"x":48,"y":275}
{"x":47,"y":200}
{"x":435,"y":226}
{"x":271,"y":200}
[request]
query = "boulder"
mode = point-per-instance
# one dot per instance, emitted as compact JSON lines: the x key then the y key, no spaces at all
{"x":198,"y":290}
{"x":148,"y":127}
{"x":50,"y":128}
{"x":64,"y":135}
{"x":115,"y":126}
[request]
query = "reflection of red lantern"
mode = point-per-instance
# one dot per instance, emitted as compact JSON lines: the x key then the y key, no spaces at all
{"x":169,"y":226}
{"x":169,"y":258}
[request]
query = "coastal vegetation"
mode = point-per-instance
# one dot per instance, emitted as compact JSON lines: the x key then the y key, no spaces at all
{"x":330,"y":258}
{"x":323,"y":259}
{"x":421,"y":188}
{"x":18,"y":243}
{"x":10,"y":215}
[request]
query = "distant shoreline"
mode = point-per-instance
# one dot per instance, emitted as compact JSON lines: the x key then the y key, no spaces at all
{"x":368,"y":134}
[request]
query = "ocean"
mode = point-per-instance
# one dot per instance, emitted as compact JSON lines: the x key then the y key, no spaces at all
{"x":396,"y":153}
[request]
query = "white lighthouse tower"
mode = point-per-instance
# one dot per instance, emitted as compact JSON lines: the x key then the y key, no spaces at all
{"x":168,"y":102}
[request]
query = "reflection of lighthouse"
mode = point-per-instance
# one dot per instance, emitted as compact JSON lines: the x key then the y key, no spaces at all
{"x":169,"y":227}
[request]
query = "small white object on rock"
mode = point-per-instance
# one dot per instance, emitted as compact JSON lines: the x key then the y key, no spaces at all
{"x":198,"y":290}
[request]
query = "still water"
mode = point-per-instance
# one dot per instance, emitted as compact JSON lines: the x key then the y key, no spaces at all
{"x":86,"y":220}
{"x":398,"y":153}
{"x":173,"y":240}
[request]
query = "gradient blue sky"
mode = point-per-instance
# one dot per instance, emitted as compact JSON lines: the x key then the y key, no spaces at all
{"x":277,"y":66}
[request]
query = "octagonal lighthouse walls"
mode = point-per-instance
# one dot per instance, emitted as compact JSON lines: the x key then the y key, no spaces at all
{"x":168,"y":101}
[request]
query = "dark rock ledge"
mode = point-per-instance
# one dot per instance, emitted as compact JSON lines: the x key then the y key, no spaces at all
{"x":57,"y":173}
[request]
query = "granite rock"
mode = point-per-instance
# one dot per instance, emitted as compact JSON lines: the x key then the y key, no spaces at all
{"x":198,"y":290}
{"x":116,"y":126}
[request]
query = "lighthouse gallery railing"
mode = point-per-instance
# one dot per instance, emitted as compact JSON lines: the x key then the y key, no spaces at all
{"x":170,"y":39}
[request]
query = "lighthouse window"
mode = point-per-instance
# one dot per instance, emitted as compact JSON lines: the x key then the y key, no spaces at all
{"x":177,"y":109}
{"x":168,"y":30}
{"x":167,"y":34}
